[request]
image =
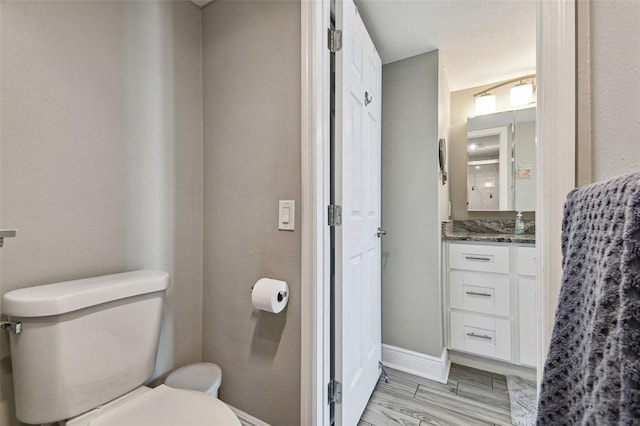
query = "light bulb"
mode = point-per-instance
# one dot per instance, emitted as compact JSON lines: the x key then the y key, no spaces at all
{"x":522,"y":94}
{"x":485,"y":104}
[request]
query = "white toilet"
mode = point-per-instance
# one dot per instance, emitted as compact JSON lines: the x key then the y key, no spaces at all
{"x":200,"y":376}
{"x":87,"y":346}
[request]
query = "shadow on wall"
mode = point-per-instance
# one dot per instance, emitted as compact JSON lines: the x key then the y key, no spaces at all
{"x":267,"y":335}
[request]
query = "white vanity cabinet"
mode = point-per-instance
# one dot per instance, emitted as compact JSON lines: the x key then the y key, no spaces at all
{"x":490,"y":300}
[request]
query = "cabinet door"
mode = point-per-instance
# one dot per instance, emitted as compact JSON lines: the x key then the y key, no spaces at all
{"x":527,"y":261}
{"x":527,"y":320}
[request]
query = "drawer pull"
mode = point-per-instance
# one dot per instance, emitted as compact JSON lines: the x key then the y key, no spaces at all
{"x":480,"y":336}
{"x":474,"y":293}
{"x":478,"y":258}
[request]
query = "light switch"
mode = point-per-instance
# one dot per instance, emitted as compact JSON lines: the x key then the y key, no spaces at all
{"x":286,"y":215}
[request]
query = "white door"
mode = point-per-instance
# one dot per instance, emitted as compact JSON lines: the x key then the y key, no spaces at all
{"x":357,"y":190}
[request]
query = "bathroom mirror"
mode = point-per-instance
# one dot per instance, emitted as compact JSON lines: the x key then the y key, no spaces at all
{"x":501,"y":161}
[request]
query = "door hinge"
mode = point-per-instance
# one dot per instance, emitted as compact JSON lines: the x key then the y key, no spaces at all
{"x":335,"y":40}
{"x":335,"y":215}
{"x":335,"y":392}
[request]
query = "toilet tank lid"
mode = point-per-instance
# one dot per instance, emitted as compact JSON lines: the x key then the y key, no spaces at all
{"x":68,"y":296}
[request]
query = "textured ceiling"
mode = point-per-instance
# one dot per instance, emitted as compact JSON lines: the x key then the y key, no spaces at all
{"x":480,"y":41}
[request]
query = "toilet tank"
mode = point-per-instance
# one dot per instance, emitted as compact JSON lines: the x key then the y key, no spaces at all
{"x":83,"y":342}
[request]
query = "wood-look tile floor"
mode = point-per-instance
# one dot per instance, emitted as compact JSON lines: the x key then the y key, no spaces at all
{"x":470,"y":397}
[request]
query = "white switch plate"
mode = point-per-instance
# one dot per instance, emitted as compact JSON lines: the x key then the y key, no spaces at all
{"x":286,"y":215}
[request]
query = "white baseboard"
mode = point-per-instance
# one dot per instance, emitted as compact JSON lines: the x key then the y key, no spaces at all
{"x":492,"y":365}
{"x":416,"y":363}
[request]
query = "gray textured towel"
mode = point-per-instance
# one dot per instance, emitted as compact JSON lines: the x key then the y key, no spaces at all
{"x":592,"y":373}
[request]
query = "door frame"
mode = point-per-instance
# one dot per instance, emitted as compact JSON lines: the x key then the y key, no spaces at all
{"x":556,"y":152}
{"x":555,"y":126}
{"x":316,"y":244}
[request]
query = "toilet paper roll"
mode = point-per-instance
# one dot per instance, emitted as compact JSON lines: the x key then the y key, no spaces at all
{"x":270,"y":295}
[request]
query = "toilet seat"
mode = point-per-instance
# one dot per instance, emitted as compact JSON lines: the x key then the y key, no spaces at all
{"x":161,"y":406}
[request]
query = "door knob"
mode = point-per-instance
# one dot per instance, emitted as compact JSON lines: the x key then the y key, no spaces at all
{"x":381,"y":232}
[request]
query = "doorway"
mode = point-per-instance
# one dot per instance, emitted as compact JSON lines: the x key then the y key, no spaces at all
{"x":556,"y":48}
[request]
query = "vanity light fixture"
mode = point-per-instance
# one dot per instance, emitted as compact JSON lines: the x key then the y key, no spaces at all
{"x":485,"y":103}
{"x":521,"y":94}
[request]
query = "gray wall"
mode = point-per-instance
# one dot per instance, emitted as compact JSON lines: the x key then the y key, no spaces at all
{"x":411,"y":303}
{"x":101,"y":166}
{"x":615,"y":92}
{"x":252,"y":159}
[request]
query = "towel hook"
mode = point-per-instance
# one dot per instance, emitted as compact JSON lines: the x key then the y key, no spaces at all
{"x":367,"y":98}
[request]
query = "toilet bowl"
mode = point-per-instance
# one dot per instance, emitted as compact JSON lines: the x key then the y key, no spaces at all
{"x":81,"y":351}
{"x":203,"y":377}
{"x":160,"y":406}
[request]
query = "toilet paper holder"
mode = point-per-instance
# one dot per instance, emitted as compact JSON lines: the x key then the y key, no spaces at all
{"x":270,"y":295}
{"x":281,"y":294}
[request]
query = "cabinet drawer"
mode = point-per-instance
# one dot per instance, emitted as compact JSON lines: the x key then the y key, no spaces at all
{"x":479,"y":258}
{"x":527,"y":261}
{"x":481,"y":335}
{"x":478,"y":292}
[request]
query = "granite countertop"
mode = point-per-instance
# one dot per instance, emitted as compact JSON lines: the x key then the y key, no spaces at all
{"x":494,"y":231}
{"x":489,"y":238}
